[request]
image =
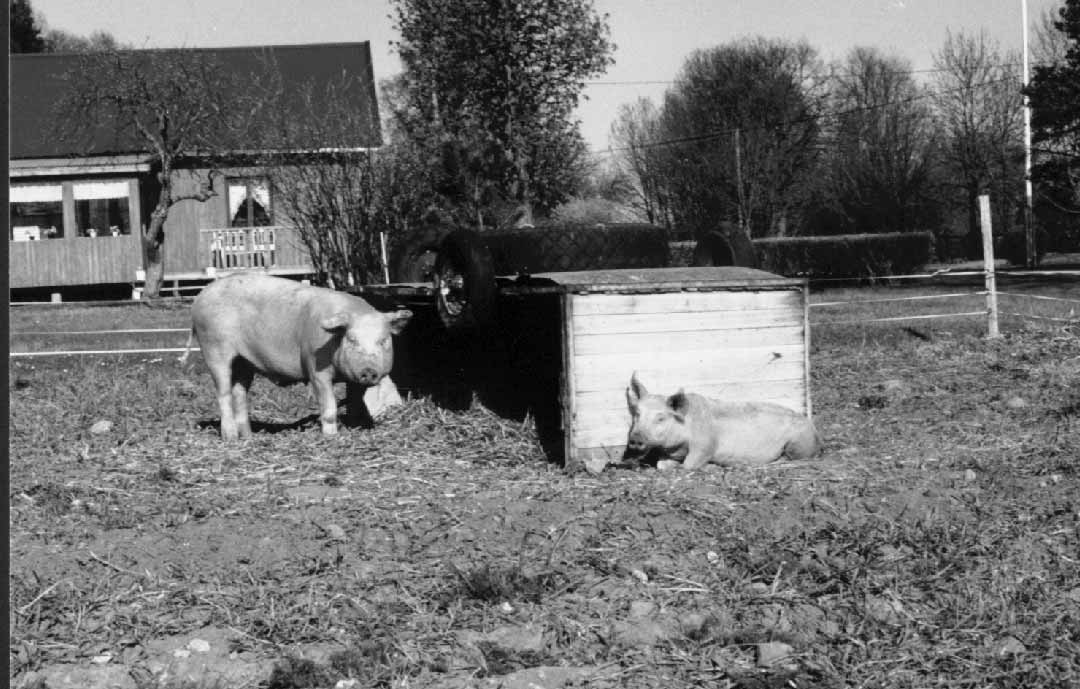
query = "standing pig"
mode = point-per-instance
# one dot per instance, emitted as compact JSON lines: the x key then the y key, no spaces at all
{"x":290,"y":332}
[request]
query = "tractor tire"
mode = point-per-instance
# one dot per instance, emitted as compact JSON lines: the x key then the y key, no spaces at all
{"x":725,"y":247}
{"x":415,"y":261}
{"x":464,"y":282}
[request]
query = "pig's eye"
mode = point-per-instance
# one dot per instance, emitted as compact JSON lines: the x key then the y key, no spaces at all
{"x":384,"y":342}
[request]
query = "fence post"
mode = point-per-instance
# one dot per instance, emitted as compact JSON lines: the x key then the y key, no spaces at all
{"x":988,"y":267}
{"x":385,"y":258}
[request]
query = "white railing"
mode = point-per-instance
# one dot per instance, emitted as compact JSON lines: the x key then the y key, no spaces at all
{"x":242,"y":247}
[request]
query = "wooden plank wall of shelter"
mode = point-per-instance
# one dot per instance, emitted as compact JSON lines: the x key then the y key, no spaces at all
{"x":746,"y":345}
{"x":73,"y":261}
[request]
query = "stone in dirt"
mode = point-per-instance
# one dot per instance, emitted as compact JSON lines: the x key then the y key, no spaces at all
{"x":885,"y":610}
{"x":520,"y":639}
{"x":1009,"y":646}
{"x":692,"y":623}
{"x":100,"y":427}
{"x":894,"y":385}
{"x":642,"y":608}
{"x":641,"y":632}
{"x":203,"y":657}
{"x":773,"y":653}
{"x":545,"y":677}
{"x":72,"y":676}
{"x":1016,"y":402}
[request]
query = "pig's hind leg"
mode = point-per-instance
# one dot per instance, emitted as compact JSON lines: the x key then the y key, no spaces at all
{"x":221,"y":371}
{"x":243,"y":373}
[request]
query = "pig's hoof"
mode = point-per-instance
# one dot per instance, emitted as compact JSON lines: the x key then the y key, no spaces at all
{"x":667,"y":465}
{"x":595,"y":466}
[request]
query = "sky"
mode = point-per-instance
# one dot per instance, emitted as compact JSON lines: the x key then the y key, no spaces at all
{"x":653,"y":38}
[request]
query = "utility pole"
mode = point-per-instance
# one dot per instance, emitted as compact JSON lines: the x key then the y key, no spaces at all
{"x":1029,"y":232}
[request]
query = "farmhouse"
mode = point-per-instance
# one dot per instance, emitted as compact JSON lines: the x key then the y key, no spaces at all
{"x":78,"y":210}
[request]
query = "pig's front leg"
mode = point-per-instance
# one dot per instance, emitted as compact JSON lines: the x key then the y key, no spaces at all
{"x":323,"y":388}
{"x":697,"y":458}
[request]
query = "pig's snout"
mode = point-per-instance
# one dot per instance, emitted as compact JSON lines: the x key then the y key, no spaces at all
{"x":367,"y":376}
{"x":635,"y":445}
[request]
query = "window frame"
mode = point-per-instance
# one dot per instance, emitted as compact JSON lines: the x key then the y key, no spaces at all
{"x":250,"y":182}
{"x":69,"y":228}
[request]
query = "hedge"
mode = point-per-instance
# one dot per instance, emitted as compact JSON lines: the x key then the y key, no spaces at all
{"x":846,"y":255}
{"x":574,"y":246}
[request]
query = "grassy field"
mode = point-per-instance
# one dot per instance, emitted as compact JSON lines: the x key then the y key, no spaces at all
{"x":935,"y":543}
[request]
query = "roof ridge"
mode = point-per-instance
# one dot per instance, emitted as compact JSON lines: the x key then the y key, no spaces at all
{"x":208,"y":49}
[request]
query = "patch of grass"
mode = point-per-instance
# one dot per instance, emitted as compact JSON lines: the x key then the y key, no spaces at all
{"x":490,"y":583}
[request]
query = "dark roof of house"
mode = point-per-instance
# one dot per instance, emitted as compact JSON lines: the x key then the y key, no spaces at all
{"x":37,"y":84}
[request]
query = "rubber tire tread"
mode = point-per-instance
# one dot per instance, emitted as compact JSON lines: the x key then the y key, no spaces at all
{"x":467,"y":252}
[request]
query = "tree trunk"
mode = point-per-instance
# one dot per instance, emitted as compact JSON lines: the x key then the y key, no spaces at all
{"x":153,"y":243}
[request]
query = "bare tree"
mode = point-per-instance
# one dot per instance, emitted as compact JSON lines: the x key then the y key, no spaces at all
{"x":169,"y":104}
{"x":980,"y":109}
{"x":879,"y":147}
{"x":60,"y":41}
{"x":342,"y":200}
{"x":634,"y":136}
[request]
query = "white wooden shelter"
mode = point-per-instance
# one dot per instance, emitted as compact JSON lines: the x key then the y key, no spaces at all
{"x":723,"y":332}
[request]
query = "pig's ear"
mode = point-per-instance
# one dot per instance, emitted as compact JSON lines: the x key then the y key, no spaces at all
{"x":635,"y":392}
{"x":398,"y":320}
{"x":679,"y":404}
{"x":336,"y":322}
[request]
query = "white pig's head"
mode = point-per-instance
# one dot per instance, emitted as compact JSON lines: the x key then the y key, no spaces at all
{"x":658,"y":424}
{"x":365,"y":352}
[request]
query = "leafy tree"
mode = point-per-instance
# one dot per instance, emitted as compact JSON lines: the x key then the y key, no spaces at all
{"x":490,"y":88}
{"x":1049,"y":44}
{"x":25,"y":29}
{"x":1054,"y":93}
{"x":879,"y":167}
{"x":173,"y":103}
{"x":980,"y":111}
{"x":740,"y":130}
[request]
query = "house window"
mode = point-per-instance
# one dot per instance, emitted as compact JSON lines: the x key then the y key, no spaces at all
{"x":102,"y":209}
{"x":37,"y":212}
{"x":249,"y":203}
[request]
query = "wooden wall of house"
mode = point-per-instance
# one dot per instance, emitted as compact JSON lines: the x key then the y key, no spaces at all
{"x":187,"y":218}
{"x":186,"y":246}
{"x":74,"y":261}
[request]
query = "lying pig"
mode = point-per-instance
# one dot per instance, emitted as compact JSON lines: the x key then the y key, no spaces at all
{"x":696,"y":430}
{"x":291,"y":332}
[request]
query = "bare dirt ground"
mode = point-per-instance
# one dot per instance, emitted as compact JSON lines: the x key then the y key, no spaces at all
{"x":934,"y":544}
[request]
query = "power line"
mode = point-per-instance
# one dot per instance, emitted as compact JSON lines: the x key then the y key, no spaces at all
{"x":823,"y":77}
{"x":716,"y":134}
